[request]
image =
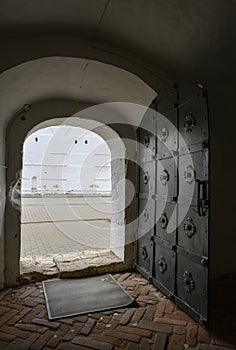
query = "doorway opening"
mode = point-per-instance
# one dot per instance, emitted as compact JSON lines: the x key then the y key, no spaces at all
{"x":66,"y":203}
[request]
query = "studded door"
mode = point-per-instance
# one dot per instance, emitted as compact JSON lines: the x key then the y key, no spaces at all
{"x":172,"y":245}
{"x":147,"y":147}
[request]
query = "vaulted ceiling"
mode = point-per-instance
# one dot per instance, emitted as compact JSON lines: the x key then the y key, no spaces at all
{"x":181,"y":37}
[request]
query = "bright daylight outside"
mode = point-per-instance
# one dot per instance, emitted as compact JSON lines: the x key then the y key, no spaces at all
{"x":65,"y":198}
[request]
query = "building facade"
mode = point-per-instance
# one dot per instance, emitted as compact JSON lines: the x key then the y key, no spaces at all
{"x":66,"y":160}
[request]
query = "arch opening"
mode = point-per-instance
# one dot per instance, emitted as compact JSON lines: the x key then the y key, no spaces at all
{"x":50,"y":93}
{"x":67,"y":202}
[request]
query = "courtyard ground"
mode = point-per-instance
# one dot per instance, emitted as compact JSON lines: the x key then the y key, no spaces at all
{"x":55,"y":230}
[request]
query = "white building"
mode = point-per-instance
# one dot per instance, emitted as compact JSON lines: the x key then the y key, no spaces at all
{"x":66,"y":160}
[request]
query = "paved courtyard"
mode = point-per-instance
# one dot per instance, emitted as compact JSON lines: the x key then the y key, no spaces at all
{"x":51,"y":227}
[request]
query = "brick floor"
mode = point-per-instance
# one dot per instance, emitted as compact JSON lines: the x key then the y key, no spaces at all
{"x":152,"y":322}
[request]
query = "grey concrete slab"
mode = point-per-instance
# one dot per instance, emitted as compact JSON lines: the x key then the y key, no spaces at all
{"x":64,"y":237}
{"x":65,"y":227}
{"x":65,"y":209}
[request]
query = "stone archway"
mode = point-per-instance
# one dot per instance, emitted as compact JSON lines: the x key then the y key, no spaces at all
{"x":69,"y":264}
{"x":47,"y":80}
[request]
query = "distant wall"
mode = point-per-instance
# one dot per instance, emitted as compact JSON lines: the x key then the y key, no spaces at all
{"x":65,"y":160}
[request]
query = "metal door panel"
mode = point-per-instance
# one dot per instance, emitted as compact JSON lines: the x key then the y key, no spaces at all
{"x":143,"y":234}
{"x":193,"y":168}
{"x":148,"y":122}
{"x":166,"y":124}
{"x":177,"y":261}
{"x":146,"y":219}
{"x":167,"y":102}
{"x":193,"y":229}
{"x":145,"y":255}
{"x":192,"y":282}
{"x":167,"y":135}
{"x":193,"y":117}
{"x":147,"y":178}
{"x":166,"y":216}
{"x":164,"y":264}
{"x":167,"y":177}
{"x":147,"y":145}
{"x":188,"y":92}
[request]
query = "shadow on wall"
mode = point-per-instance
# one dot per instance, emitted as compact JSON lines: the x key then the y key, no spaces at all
{"x":223,"y":309}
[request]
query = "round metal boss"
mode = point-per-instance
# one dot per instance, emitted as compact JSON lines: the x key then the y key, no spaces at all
{"x":164,"y":134}
{"x":189,"y":174}
{"x":144,"y":253}
{"x":145,"y":177}
{"x":164,"y":220}
{"x":189,"y":227}
{"x":188,"y":281}
{"x":189,"y":124}
{"x":146,"y":140}
{"x":164,"y":177}
{"x":162,"y":264}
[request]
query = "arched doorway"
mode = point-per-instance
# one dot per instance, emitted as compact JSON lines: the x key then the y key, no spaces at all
{"x":65,"y":200}
{"x":58,"y":97}
{"x":98,"y":262}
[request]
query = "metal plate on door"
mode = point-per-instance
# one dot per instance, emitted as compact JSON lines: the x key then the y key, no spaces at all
{"x":192,"y":230}
{"x":164,"y":259}
{"x":145,"y":255}
{"x":189,"y":92}
{"x":148,"y":122}
{"x":167,"y":102}
{"x":147,"y":178}
{"x":166,"y":217}
{"x":193,"y":118}
{"x":147,"y":146}
{"x":192,"y":277}
{"x":146,"y":219}
{"x":193,"y":171}
{"x":167,"y":178}
{"x":167,"y":135}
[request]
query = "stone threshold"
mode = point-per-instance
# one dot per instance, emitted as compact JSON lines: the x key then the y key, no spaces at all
{"x":70,"y":265}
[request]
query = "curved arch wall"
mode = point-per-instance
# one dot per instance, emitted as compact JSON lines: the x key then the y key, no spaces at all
{"x":59,"y":86}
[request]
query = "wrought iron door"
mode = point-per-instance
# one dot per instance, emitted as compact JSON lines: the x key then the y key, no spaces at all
{"x":173,"y":155}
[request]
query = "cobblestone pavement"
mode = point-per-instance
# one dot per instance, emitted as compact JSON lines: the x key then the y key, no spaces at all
{"x":64,"y":237}
{"x":64,"y":225}
{"x":152,"y":322}
{"x":65,"y":209}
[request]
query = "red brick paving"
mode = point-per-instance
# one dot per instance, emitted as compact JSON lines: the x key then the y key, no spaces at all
{"x":152,"y":323}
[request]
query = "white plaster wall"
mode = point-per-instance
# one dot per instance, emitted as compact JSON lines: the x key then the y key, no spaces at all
{"x":67,"y":77}
{"x":66,"y":160}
